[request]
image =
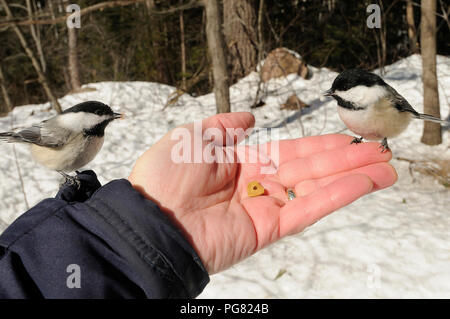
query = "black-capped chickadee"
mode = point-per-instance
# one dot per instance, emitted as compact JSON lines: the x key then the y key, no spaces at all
{"x":67,"y":141}
{"x":371,"y":108}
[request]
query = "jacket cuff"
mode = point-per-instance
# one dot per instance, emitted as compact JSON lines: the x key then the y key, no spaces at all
{"x":144,"y":235}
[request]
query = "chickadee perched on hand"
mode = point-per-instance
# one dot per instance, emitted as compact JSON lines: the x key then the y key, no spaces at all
{"x":371,"y":108}
{"x":67,"y":141}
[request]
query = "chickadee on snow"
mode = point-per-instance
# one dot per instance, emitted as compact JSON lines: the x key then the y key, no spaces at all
{"x":67,"y":141}
{"x":371,"y":108}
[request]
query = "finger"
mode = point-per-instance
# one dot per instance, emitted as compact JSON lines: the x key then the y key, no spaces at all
{"x":382,"y":175}
{"x":302,"y":212}
{"x":331,"y":162}
{"x":289,"y":150}
{"x":234,"y":127}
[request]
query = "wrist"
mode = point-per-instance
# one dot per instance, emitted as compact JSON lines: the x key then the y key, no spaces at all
{"x":174,"y":216}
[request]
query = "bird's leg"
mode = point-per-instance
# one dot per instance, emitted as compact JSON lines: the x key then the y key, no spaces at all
{"x":72,"y":180}
{"x":357,"y":140}
{"x":384,"y":145}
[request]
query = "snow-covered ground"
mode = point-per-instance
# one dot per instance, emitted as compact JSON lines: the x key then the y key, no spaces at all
{"x":391,"y":244}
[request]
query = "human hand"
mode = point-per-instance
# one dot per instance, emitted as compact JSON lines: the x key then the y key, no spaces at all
{"x":210,"y":204}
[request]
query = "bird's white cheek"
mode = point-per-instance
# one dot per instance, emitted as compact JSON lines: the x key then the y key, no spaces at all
{"x":79,"y":121}
{"x":363,"y":96}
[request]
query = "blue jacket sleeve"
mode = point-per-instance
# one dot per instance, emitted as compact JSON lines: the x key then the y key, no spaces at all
{"x":98,"y":242}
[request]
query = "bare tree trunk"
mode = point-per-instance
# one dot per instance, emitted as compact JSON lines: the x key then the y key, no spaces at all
{"x":383,"y":50}
{"x":432,"y":134}
{"x":216,"y":49}
{"x":34,"y":61}
{"x":412,"y":32}
{"x":8,"y":105}
{"x":260,"y":31}
{"x":183,"y":53}
{"x":239,"y":18}
{"x":36,"y":37}
{"x":73,"y":60}
{"x":52,"y":13}
{"x":158,"y":43}
{"x":382,"y":31}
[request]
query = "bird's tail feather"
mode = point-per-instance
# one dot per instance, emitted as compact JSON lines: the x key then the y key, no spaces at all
{"x":10,"y":137}
{"x":432,"y":118}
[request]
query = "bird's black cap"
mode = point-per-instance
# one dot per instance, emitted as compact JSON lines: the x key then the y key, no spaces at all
{"x":94,"y":107}
{"x":354,"y":77}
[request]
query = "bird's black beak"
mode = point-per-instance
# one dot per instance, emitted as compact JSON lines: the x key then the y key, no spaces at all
{"x":328,"y":92}
{"x":118,"y":116}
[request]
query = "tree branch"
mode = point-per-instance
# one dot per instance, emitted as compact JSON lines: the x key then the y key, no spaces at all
{"x":35,"y":63}
{"x":96,"y":7}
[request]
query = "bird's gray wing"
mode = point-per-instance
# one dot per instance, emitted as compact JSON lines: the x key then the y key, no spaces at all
{"x":403,"y":106}
{"x":44,"y":134}
{"x":400,"y":102}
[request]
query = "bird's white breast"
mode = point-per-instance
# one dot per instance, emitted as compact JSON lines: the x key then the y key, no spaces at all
{"x":75,"y":154}
{"x":375,"y":122}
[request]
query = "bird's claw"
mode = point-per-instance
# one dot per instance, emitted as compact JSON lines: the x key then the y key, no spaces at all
{"x":73,"y":181}
{"x":384,"y":146}
{"x":356,"y":140}
{"x":70,"y":180}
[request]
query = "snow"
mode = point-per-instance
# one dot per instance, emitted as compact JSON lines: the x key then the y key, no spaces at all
{"x":393,"y":243}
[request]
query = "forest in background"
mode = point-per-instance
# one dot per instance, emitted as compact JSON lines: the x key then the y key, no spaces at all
{"x":166,"y":41}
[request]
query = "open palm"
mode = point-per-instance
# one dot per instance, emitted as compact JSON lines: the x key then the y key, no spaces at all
{"x":208,"y":200}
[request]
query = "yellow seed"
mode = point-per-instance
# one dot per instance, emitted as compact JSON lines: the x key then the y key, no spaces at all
{"x":254,"y":189}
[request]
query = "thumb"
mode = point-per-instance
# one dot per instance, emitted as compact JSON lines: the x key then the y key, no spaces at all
{"x":234,"y":127}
